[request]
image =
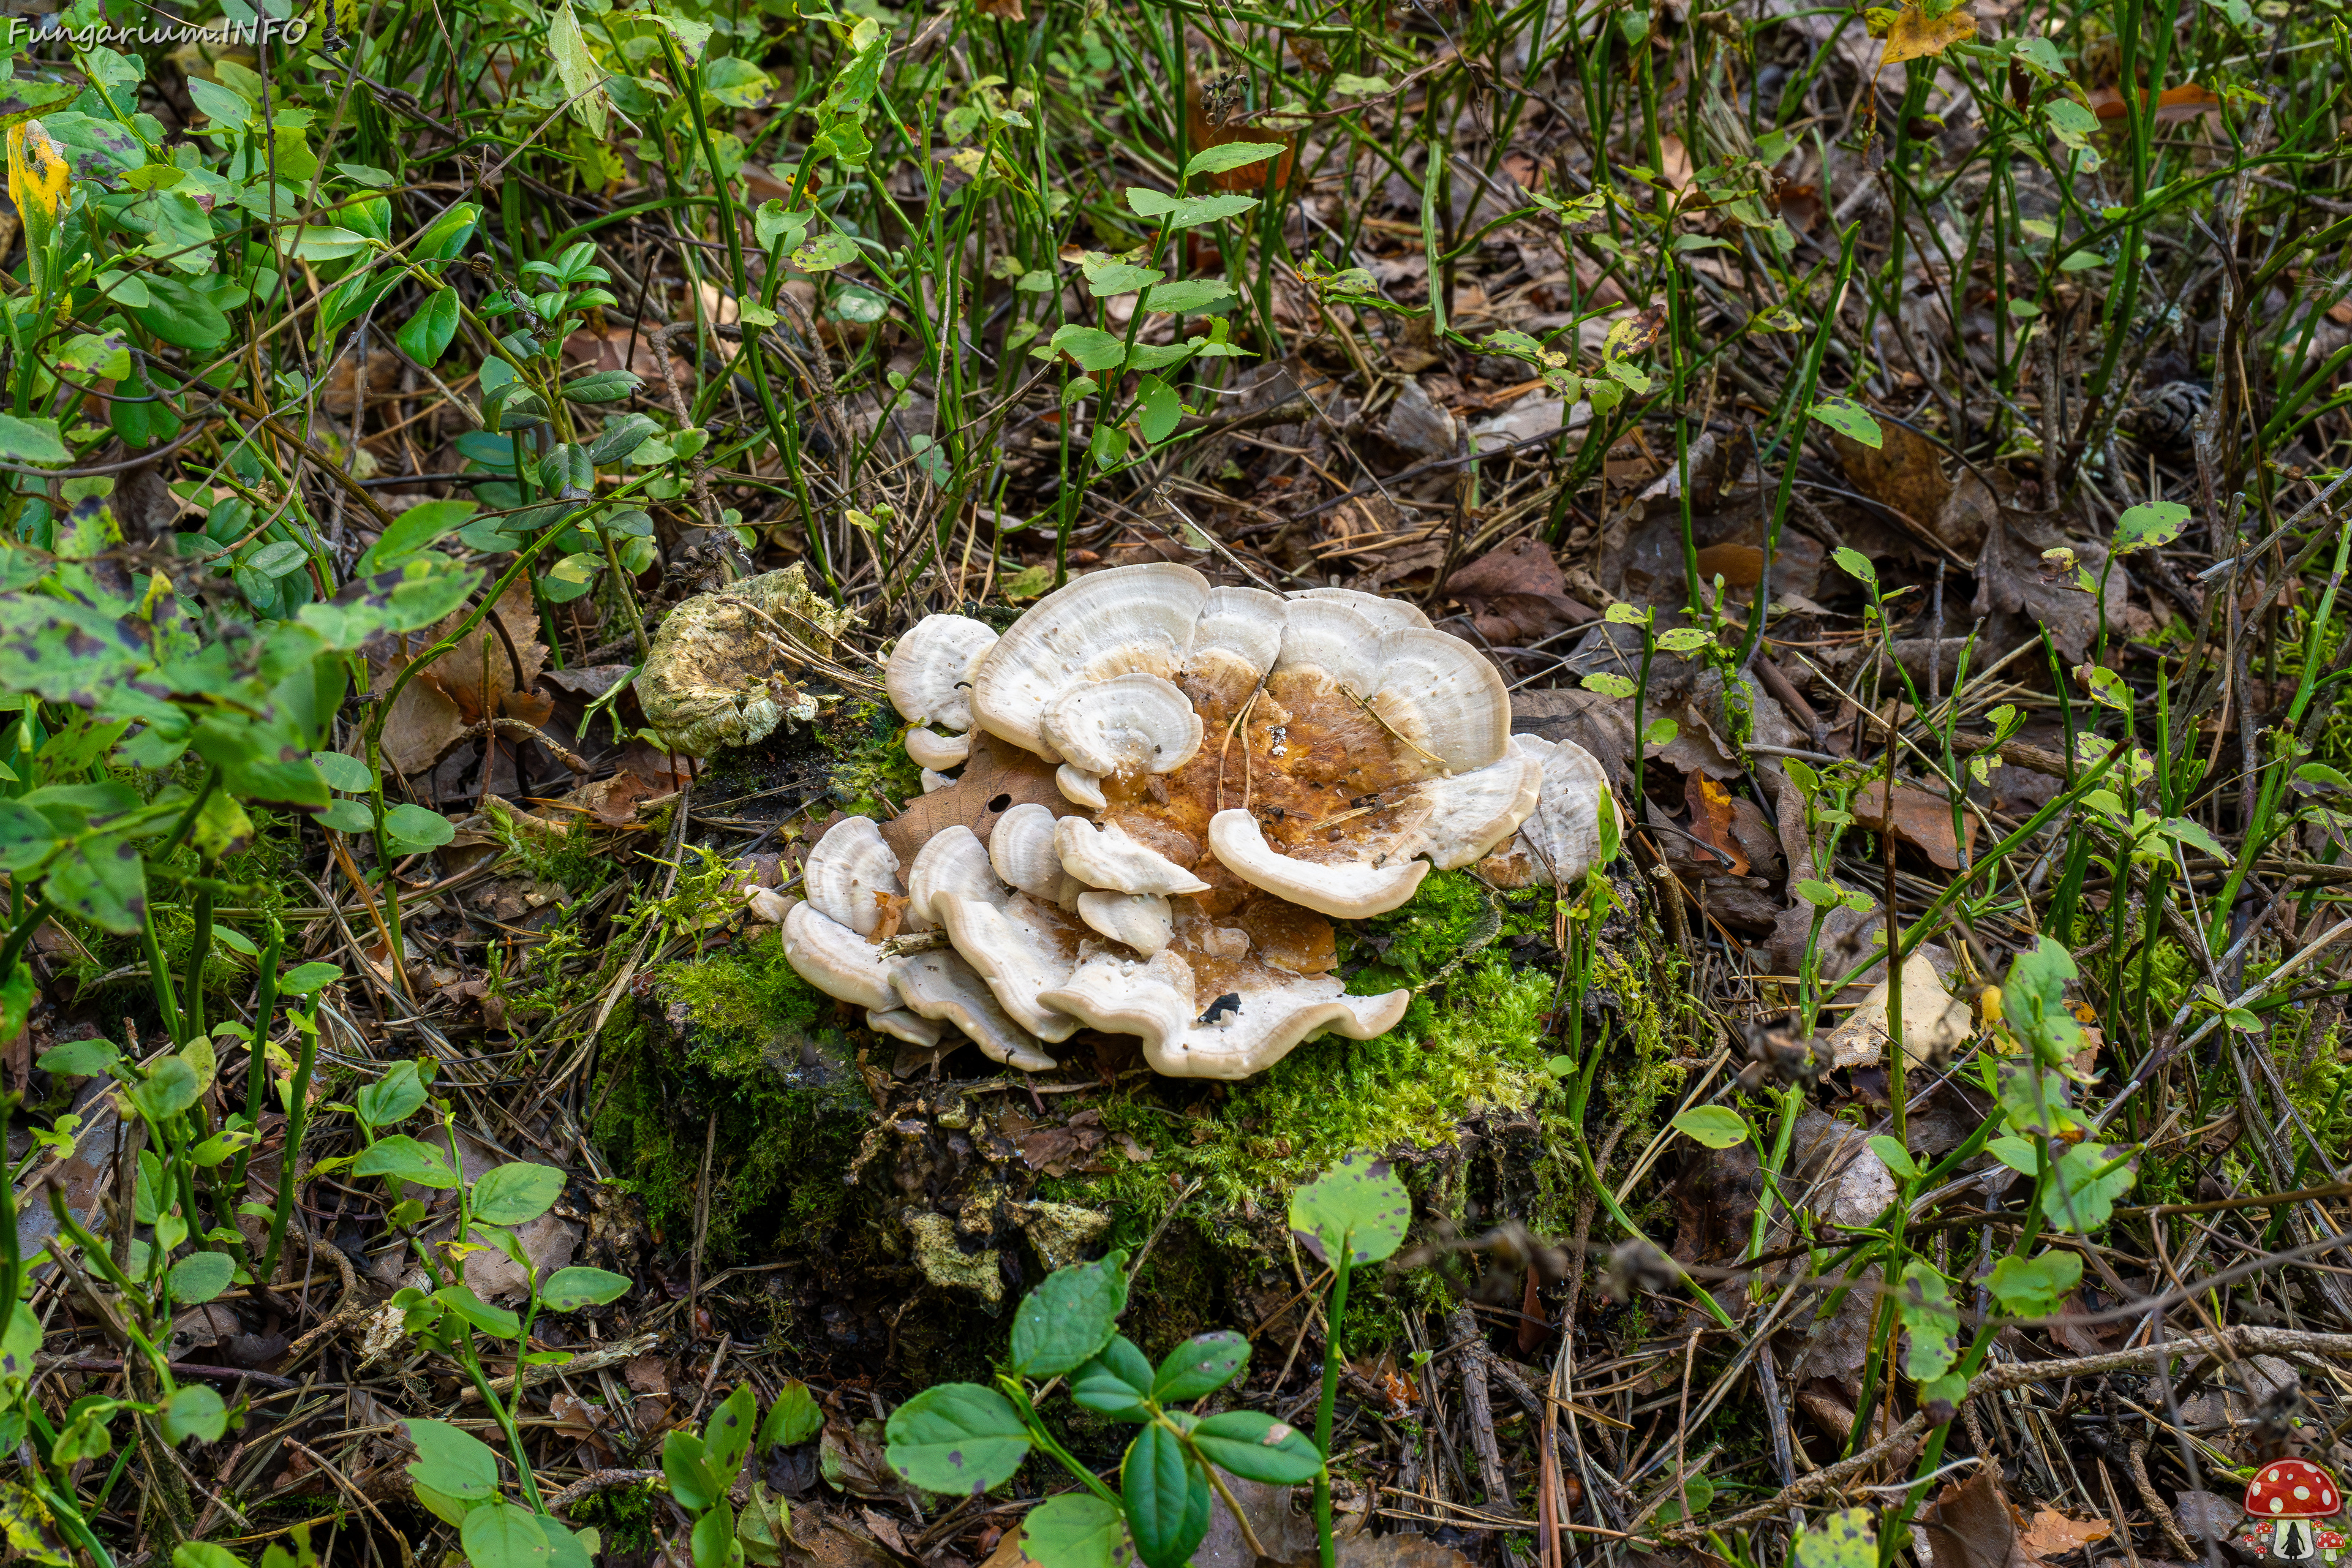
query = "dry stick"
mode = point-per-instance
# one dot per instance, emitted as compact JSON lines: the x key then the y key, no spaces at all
{"x":1463,"y":1326}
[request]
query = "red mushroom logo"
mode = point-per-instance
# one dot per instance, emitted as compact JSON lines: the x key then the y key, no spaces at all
{"x":2289,"y":1495}
{"x":2331,"y":1542}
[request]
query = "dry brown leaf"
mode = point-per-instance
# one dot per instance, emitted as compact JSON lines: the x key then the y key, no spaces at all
{"x":1917,"y":37}
{"x":1710,"y":823}
{"x":1917,"y":817}
{"x":1203,"y":132}
{"x":1516,"y":595}
{"x":467,"y":684}
{"x":999,"y":777}
{"x":2011,"y":576}
{"x":1904,"y":473}
{"x":2053,"y":1535}
{"x":1739,"y":565}
{"x":2186,"y":102}
{"x":1971,"y":1525}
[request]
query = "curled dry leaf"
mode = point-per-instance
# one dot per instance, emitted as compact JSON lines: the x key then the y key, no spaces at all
{"x":1971,"y":1525}
{"x":1711,"y":822}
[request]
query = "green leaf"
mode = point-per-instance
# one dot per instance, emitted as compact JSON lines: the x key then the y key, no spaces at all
{"x":1166,"y":1498}
{"x":26,"y":837}
{"x":1255,"y":1447}
{"x":2035,"y":1287}
{"x":1895,"y":1157}
{"x":193,"y":1411}
{"x":727,"y":1436}
{"x":1229,"y":156}
{"x":419,"y":528}
{"x":392,"y":1098}
{"x":1160,"y":409}
{"x":2193,"y":834}
{"x":516,"y":1194}
{"x":690,"y":1479}
{"x":1846,"y":1539}
{"x":344,"y":773}
{"x":1093,"y":348}
{"x":1066,"y":1320}
{"x":2082,"y":1193}
{"x":428,"y":334}
{"x":1684,"y":640}
{"x":2033,"y":1001}
{"x":496,"y":1321}
{"x":1851,"y":420}
{"x":823,"y":252}
{"x":1119,"y":278}
{"x":203,"y":1555}
{"x":1855,"y":563}
{"x":1201,"y":1365}
{"x":1186,"y":212}
{"x":577,"y":69}
{"x":452,"y":1462}
{"x":412,"y":830}
{"x":957,"y":1439}
{"x":1608,"y":685}
{"x":602,"y":386}
{"x":1357,"y":1201}
{"x":712,"y":1540}
{"x":1115,"y":1383}
{"x":1075,"y":1530}
{"x":403,"y":1159}
{"x":80,"y":1058}
{"x":1924,"y":1302}
{"x":31,"y":1530}
{"x":101,"y":880}
{"x":1716,"y":1126}
{"x":501,"y":1535}
{"x":2020,"y":1155}
{"x":2243,"y":1019}
{"x":224,"y":105}
{"x":1188,"y":297}
{"x":303,"y":979}
{"x":569,"y":1289}
{"x":169,"y":1088}
{"x":201,"y":1275}
{"x":794,"y":1418}
{"x":1661,"y":733}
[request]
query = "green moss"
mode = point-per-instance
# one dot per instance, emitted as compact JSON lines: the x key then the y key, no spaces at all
{"x":871,"y":771}
{"x":743,"y":1055}
{"x":569,"y":856}
{"x":623,"y":1518}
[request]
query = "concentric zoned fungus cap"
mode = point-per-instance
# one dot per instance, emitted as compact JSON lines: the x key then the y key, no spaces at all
{"x":1252,"y":767}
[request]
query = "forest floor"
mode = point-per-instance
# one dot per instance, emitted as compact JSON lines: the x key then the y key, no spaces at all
{"x":1902,"y":447}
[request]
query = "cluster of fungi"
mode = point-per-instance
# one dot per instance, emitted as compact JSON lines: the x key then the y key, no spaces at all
{"x":1235,"y":770}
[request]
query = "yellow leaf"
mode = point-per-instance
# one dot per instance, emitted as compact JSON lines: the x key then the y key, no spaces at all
{"x":37,"y":181}
{"x":1916,"y":35}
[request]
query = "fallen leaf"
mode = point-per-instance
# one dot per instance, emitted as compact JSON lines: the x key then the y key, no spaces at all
{"x":2174,"y":104}
{"x":467,"y":684}
{"x":1915,"y":817}
{"x":1904,"y":473}
{"x":1710,"y":823}
{"x":1971,"y":1525}
{"x":2010,"y":578}
{"x":999,"y":777}
{"x":1516,"y":595}
{"x":648,"y":1373}
{"x":1916,"y":35}
{"x":1739,"y":565}
{"x":2053,"y":1535}
{"x":1203,"y":132}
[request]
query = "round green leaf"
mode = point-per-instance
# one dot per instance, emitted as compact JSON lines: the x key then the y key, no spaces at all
{"x":1254,"y":1446}
{"x":412,"y":828}
{"x":193,"y":1411}
{"x":1066,"y":1320}
{"x":201,"y":1275}
{"x":1716,"y":1126}
{"x":1075,"y":1530}
{"x":957,"y":1439}
{"x":452,"y":1462}
{"x":1358,"y":1199}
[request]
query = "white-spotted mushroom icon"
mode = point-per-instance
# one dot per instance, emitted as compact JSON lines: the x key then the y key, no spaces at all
{"x":1237,"y":770}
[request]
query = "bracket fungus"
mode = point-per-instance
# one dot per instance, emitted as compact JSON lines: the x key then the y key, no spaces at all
{"x":1238,"y":769}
